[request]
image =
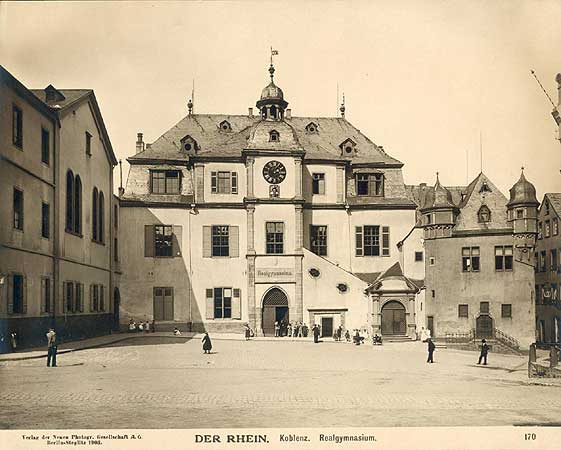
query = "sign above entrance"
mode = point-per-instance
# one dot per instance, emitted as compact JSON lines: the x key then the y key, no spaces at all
{"x":275,"y":274}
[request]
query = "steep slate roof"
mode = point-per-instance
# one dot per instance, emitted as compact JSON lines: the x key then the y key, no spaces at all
{"x":72,"y":96}
{"x":555,"y":201}
{"x":213,"y":141}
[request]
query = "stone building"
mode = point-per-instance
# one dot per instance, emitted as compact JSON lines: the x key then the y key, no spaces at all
{"x":58,"y":232}
{"x":479,"y":259}
{"x":548,"y":270}
{"x":235,"y":219}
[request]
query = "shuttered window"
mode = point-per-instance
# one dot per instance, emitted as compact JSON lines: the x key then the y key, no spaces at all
{"x":46,"y":295}
{"x":367,"y":240}
{"x":221,"y":241}
{"x":318,"y":239}
{"x":223,"y":303}
{"x":163,"y":240}
{"x":17,"y":301}
{"x":45,"y":220}
{"x":18,"y":209}
{"x":69,"y":296}
{"x":165,"y":181}
{"x":223,"y":182}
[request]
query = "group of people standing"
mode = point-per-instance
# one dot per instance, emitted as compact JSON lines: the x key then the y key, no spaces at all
{"x":141,"y":326}
{"x":284,"y":328}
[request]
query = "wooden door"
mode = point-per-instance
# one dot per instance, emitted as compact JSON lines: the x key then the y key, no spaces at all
{"x":158,"y":303}
{"x":269,"y":315}
{"x":168,"y":304}
{"x":484,"y":327}
{"x":393,"y":318}
{"x":430,"y":325}
{"x":326,"y":326}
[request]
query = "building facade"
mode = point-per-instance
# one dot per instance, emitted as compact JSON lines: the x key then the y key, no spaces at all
{"x":479,"y":256}
{"x":548,"y":270}
{"x":58,"y":265}
{"x":263,"y":218}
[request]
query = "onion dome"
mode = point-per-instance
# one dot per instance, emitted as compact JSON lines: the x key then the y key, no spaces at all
{"x":272,"y":103}
{"x":522,"y":193}
{"x":439,"y":197}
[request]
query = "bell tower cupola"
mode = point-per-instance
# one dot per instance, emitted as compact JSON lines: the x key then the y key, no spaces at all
{"x":272,"y":105}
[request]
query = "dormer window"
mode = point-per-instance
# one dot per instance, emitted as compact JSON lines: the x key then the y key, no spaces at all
{"x":189,"y":145}
{"x":348,"y":147}
{"x":484,"y":188}
{"x":225,"y":126}
{"x":484,"y":214}
{"x":311,"y":128}
{"x":546,"y":208}
{"x":274,"y":136}
{"x":370,"y":184}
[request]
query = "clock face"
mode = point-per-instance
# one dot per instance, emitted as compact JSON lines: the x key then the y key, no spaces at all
{"x":274,"y":172}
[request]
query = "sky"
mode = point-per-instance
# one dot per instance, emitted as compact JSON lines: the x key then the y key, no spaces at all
{"x":437,"y":83}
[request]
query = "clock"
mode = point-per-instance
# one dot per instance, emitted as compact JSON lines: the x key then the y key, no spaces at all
{"x":274,"y":172}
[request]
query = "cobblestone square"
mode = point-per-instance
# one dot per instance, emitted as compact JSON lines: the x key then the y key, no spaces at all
{"x":161,"y":382}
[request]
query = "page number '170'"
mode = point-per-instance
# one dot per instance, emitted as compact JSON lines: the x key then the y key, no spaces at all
{"x":529,"y":436}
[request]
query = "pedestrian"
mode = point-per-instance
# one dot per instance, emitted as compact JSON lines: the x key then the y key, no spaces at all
{"x":431,"y":348}
{"x":339,"y":332}
{"x":300,"y":329}
{"x":348,"y":336}
{"x":305,"y":330}
{"x":176,"y":332}
{"x":247,"y":332}
{"x":140,"y":327}
{"x":289,"y":330}
{"x":207,"y":344}
{"x":132,"y":326}
{"x":13,"y":341}
{"x":423,"y":334}
{"x":51,"y":348}
{"x":277,"y":329}
{"x":153,"y":327}
{"x":484,"y":351}
{"x":315,"y":331}
{"x":146,"y":327}
{"x":296,"y":329}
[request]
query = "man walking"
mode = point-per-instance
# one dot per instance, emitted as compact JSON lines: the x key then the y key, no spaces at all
{"x":484,"y":351}
{"x":431,"y":348}
{"x":316,"y":333}
{"x":51,"y":348}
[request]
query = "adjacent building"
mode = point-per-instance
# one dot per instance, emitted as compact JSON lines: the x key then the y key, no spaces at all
{"x":58,"y":232}
{"x":548,"y":270}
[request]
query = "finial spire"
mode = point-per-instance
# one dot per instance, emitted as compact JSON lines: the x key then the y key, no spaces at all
{"x":190,"y":106}
{"x":437,"y":180}
{"x":271,"y":67}
{"x":343,"y":108}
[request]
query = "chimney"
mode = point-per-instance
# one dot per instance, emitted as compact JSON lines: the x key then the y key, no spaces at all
{"x":288,"y":113}
{"x":250,"y":112}
{"x":139,"y":143}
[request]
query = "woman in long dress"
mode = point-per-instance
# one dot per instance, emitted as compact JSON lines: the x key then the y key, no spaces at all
{"x":207,"y":344}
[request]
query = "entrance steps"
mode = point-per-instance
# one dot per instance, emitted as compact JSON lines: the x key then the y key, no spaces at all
{"x":396,"y":338}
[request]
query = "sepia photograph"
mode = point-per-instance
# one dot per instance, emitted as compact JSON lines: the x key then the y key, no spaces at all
{"x":280,"y":224}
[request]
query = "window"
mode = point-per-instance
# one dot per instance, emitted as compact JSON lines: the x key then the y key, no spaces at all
{"x":163,"y":239}
{"x":274,"y":238}
{"x":18,"y":305}
{"x":429,"y":219}
{"x":503,"y":258}
{"x":220,"y":240}
{"x":69,"y":200}
{"x":432,"y":261}
{"x":18,"y":209}
{"x":318,"y":239}
{"x":274,"y":135}
{"x":470,"y":259}
{"x":69,"y":296}
{"x":311,"y":128}
{"x":116,"y":217}
{"x":224,"y":182}
{"x":17,"y":126}
{"x":116,"y":249}
{"x":101,"y":217}
{"x":433,"y":293}
{"x":553,"y":260}
{"x":519,"y":213}
{"x":46,"y":296}
{"x":95,"y":208}
{"x":88,"y":144}
{"x":79,"y":296}
{"x":546,"y":208}
{"x":342,"y":287}
{"x":484,"y":188}
{"x":547,"y":229}
{"x":540,"y":230}
{"x":45,"y":146}
{"x":484,"y":214}
{"x":484,"y":307}
{"x":367,"y":240}
{"x":506,"y":311}
{"x":318,"y":184}
{"x":555,"y":226}
{"x":45,"y":220}
{"x":97,"y":298}
{"x":73,"y":203}
{"x":165,"y":181}
{"x":418,"y":256}
{"x":543,"y":263}
{"x":222,"y":303}
{"x":371,"y":184}
{"x":77,"y":205}
{"x":225,"y":126}
{"x":536,"y":262}
{"x":462,"y":310}
{"x":314,"y":273}
{"x":538,"y":293}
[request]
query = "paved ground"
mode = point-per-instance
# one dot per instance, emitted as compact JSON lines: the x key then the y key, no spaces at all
{"x":159,"y":382}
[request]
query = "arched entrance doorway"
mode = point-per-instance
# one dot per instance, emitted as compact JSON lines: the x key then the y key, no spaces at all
{"x":393,"y":318}
{"x":275,"y":309}
{"x":116,"y":302}
{"x":484,"y":327}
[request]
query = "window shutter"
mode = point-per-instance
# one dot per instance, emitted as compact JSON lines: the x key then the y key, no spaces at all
{"x":91,"y":298}
{"x":43,"y":295}
{"x":214,"y":182}
{"x":207,"y":241}
{"x":24,"y":295}
{"x":10,"y":294}
{"x":358,"y":236}
{"x":177,"y":240}
{"x":209,"y":304}
{"x":51,"y":296}
{"x":81,"y":297}
{"x":236,"y":304}
{"x":385,"y":241}
{"x":234,"y":241}
{"x":149,"y":240}
{"x":234,"y":182}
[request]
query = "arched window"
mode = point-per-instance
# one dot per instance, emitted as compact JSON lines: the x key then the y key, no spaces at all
{"x":77,"y":205}
{"x":273,"y":111}
{"x":101,"y":217}
{"x":69,"y":201}
{"x":94,"y":213}
{"x":484,"y":214}
{"x":274,"y":136}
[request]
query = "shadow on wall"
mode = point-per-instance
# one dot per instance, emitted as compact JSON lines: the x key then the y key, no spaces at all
{"x":155,"y":287}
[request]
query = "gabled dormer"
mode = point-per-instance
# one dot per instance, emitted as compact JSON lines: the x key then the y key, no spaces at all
{"x":53,"y":95}
{"x":225,"y":126}
{"x":348,"y":148}
{"x":312,"y":128}
{"x":189,"y":145}
{"x":274,"y":136}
